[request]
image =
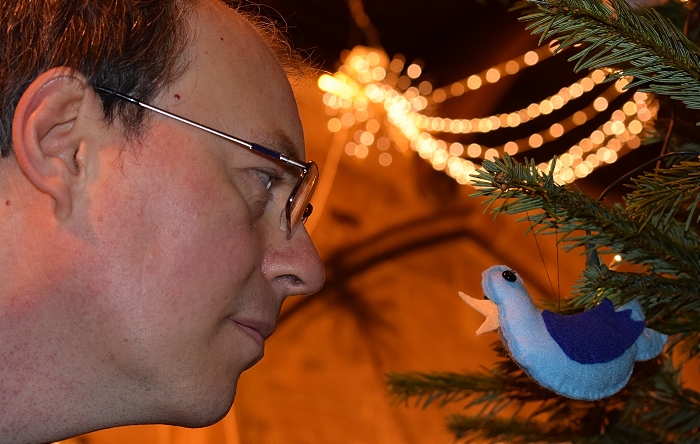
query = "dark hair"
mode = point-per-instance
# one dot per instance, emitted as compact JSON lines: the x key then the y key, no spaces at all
{"x":132,"y":46}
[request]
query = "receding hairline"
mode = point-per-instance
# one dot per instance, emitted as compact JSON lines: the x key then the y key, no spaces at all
{"x":294,"y":63}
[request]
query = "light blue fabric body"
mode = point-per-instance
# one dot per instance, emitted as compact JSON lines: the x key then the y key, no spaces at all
{"x":526,"y":338}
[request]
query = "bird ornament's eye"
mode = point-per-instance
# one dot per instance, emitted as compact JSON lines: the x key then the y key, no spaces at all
{"x":509,"y":275}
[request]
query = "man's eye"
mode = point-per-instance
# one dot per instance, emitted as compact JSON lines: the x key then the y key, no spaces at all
{"x":265,"y":178}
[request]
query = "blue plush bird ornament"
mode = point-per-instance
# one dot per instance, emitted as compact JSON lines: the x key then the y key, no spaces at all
{"x":586,"y":356}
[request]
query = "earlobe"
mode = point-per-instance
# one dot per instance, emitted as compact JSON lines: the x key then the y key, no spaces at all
{"x":46,"y":138}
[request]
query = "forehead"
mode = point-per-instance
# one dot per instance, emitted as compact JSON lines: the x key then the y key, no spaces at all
{"x":234,"y":82}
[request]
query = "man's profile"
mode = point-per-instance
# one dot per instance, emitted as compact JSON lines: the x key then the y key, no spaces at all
{"x":144,"y":259}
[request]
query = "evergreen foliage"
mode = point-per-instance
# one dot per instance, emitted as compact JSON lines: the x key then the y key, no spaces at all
{"x":645,"y":45}
{"x":655,"y":229}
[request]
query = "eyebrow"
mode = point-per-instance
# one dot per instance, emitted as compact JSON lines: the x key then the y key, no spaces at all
{"x":283,"y":144}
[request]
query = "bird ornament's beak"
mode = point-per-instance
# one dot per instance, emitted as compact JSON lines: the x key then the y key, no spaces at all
{"x":485,"y":307}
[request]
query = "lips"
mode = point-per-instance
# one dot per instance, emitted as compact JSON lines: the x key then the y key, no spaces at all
{"x":256,"y":329}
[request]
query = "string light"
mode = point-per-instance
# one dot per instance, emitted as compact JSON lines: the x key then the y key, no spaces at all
{"x":516,"y":118}
{"x":376,"y":95}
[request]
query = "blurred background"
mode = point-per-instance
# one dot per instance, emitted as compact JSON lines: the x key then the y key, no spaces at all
{"x":414,"y":94}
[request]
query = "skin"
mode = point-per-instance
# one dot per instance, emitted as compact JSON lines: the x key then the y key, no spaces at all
{"x":141,"y":277}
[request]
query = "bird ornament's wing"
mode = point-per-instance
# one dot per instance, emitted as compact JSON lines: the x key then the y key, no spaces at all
{"x":595,"y":336}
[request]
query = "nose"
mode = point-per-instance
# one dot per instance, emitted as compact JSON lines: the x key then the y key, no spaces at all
{"x":293,"y":266}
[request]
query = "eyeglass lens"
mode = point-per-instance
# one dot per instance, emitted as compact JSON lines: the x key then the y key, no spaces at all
{"x":298,"y":205}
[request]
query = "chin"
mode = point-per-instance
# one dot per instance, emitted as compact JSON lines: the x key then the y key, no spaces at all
{"x":202,"y":410}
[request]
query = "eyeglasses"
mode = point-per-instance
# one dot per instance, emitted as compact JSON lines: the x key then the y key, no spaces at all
{"x":297,"y":208}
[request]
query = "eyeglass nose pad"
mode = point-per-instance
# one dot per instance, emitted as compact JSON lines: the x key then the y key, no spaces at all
{"x":283,"y":222}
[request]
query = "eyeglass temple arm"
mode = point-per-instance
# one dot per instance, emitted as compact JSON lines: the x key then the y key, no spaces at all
{"x":250,"y":145}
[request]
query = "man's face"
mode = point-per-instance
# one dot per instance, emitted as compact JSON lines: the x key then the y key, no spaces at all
{"x":198,"y":266}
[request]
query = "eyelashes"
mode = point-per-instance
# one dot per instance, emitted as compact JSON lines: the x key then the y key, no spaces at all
{"x":266,"y":178}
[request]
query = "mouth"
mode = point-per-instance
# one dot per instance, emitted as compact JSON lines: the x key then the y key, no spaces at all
{"x":255,"y":329}
{"x":487,"y":308}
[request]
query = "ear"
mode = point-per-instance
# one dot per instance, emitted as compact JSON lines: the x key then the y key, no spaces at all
{"x":47,"y":136}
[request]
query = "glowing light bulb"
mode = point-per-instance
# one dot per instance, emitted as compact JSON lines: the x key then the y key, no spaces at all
{"x":587,"y":84}
{"x":385,"y":159}
{"x":414,"y":71}
{"x":474,"y":150}
{"x":439,"y":96}
{"x":457,"y":89}
{"x":531,"y":58}
{"x":491,"y":154}
{"x":600,"y":104}
{"x":635,"y":127}
{"x":556,"y":130}
{"x":396,"y":65}
{"x":362,"y":151}
{"x":580,"y":117}
{"x":546,"y":107}
{"x":335,"y":86}
{"x":456,"y":149}
{"x":474,"y":82}
{"x":512,"y":67}
{"x":598,"y":76}
{"x":535,"y":141}
{"x":493,"y":75}
{"x":334,"y":125}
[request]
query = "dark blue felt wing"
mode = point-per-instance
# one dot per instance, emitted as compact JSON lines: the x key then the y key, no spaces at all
{"x":594,"y":336}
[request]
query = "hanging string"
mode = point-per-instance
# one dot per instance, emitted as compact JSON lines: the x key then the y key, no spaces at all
{"x":537,"y":243}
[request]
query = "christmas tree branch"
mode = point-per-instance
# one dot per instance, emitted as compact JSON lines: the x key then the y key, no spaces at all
{"x":567,"y":212}
{"x":668,"y":284}
{"x":666,"y":193}
{"x":644,"y":45}
{"x":640,"y":412}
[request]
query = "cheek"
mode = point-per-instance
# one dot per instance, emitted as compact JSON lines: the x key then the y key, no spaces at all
{"x":183,"y":233}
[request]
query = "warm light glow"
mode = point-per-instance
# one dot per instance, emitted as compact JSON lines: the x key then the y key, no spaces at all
{"x":334,"y":125}
{"x":576,"y":152}
{"x":597,"y":137}
{"x":511,"y":148}
{"x":491,"y":154}
{"x":576,"y":90}
{"x":425,"y":88}
{"x":580,"y":118}
{"x":362,"y":151}
{"x":629,"y":108}
{"x":598,"y":76}
{"x":512,"y":67}
{"x":348,"y":120}
{"x":457,"y":149}
{"x":493,"y":75}
{"x":474,"y":82}
{"x":335,"y":86}
{"x":546,"y":107}
{"x":587,"y":84}
{"x":556,"y":130}
{"x":531,"y":58}
{"x":474,"y":150}
{"x":600,"y":104}
{"x":414,"y":71}
{"x":535,"y":141}
{"x":439,"y":96}
{"x":533,"y":110}
{"x":635,"y":127}
{"x":375,"y":100}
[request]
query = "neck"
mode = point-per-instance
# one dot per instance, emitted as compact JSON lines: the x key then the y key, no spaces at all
{"x":50,"y":387}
